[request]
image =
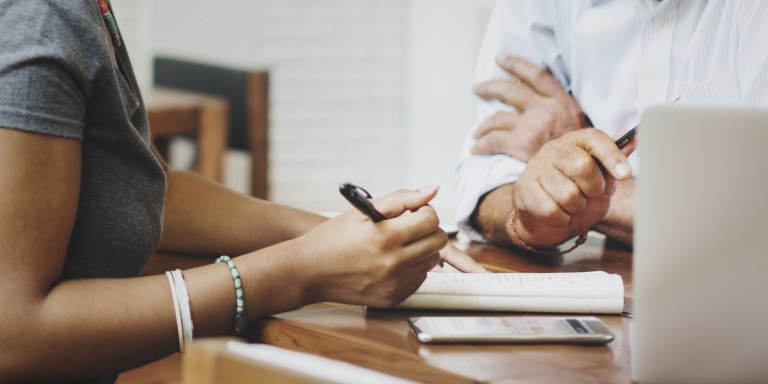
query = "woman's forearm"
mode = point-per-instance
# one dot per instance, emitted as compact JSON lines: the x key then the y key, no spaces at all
{"x":205,"y":218}
{"x":111,"y":325}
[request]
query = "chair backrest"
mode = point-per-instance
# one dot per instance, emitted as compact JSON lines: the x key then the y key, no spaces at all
{"x":247,"y":92}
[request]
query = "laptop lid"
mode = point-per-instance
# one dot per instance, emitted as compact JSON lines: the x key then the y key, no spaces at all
{"x":700,"y":275}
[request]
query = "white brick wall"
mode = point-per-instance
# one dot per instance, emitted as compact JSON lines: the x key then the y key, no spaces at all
{"x":336,"y":70}
{"x":369,"y":91}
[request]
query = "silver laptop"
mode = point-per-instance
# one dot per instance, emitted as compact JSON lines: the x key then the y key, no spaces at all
{"x":701,"y":247}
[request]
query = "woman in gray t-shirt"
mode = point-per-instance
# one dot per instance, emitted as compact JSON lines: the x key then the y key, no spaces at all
{"x":84,"y":202}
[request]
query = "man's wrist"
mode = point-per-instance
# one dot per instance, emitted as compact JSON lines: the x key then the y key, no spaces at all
{"x":511,"y":226}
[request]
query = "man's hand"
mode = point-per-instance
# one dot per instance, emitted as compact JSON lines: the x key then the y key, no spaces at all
{"x":567,"y":187}
{"x":545,"y":111}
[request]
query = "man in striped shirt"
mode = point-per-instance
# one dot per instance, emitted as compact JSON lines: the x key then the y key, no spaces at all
{"x":547,"y":69}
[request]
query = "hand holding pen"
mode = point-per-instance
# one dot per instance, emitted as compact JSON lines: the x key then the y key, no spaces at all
{"x":622,"y":141}
{"x":360,"y":199}
{"x":352,"y":260}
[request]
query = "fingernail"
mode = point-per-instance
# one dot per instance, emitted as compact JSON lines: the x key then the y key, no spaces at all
{"x":502,"y":57}
{"x":476,"y":88}
{"x":429,"y":189}
{"x":622,"y":170}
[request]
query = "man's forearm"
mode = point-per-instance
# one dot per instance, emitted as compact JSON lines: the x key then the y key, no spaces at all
{"x":490,"y":217}
{"x":205,"y":218}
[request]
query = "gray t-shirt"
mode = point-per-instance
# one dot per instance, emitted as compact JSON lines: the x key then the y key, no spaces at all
{"x":60,"y":77}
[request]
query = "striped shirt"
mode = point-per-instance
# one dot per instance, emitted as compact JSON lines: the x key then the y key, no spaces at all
{"x":617,"y":58}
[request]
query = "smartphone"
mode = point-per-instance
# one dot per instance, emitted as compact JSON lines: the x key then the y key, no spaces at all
{"x":510,"y":329}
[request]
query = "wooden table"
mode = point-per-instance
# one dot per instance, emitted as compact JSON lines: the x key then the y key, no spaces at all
{"x":381,"y":340}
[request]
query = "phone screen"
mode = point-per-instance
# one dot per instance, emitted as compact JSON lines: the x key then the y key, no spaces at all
{"x":510,"y":329}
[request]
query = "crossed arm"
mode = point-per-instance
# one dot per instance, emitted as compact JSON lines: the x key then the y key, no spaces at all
{"x":564,"y":189}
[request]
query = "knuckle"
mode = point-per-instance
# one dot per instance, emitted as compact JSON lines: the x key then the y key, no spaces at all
{"x":547,"y":121}
{"x":572,"y":197}
{"x":440,"y":241}
{"x":382,"y":242}
{"x":583,"y":166}
{"x":548,"y":211}
{"x":510,"y":86}
{"x":428,"y":216}
{"x":596,"y":189}
{"x":508,"y":61}
{"x":388,"y":266}
{"x":540,"y":74}
{"x":591,"y":133}
{"x":497,"y":119}
{"x":550,"y":146}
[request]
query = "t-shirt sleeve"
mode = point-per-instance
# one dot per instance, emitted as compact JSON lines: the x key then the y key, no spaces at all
{"x":41,"y":76}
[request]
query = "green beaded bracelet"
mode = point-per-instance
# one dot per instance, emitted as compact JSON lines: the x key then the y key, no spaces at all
{"x":240,"y":318}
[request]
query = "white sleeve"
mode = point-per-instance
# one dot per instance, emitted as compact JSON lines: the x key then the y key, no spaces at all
{"x":512,"y":29}
{"x":752,"y":55}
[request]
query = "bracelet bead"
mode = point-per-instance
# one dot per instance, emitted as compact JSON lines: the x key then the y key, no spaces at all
{"x":240,"y":314}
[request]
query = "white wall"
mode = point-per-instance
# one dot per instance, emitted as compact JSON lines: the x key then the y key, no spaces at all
{"x":135,"y":18}
{"x":336,"y":69}
{"x":368,"y":91}
{"x":442,"y":40}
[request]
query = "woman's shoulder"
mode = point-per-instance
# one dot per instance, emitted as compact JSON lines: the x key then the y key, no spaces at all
{"x":63,"y":45}
{"x":67,"y":26}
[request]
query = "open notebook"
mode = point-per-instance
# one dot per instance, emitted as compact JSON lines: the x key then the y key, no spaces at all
{"x":571,"y":292}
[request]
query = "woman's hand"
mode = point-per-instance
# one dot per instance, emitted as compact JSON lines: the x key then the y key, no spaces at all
{"x":459,"y":260}
{"x":350,"y":259}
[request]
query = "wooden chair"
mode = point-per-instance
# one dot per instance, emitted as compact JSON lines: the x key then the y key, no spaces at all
{"x":246,"y":91}
{"x":204,"y":118}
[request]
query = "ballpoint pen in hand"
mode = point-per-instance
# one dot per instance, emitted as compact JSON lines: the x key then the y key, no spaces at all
{"x":361,"y":199}
{"x":625,"y":138}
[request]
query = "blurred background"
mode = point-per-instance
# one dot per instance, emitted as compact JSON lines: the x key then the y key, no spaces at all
{"x":374,"y":92}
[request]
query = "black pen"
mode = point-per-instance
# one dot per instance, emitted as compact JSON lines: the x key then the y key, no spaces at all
{"x":360,"y":199}
{"x":625,"y":138}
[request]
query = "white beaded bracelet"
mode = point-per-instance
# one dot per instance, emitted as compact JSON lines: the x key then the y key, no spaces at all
{"x":176,"y":309}
{"x":240,"y":316}
{"x":186,"y":311}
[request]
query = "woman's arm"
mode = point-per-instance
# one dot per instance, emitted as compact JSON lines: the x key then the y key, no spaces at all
{"x":205,"y":218}
{"x":93,"y":327}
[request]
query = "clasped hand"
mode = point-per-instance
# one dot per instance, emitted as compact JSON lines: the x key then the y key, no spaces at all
{"x":544,"y":111}
{"x":567,"y":187}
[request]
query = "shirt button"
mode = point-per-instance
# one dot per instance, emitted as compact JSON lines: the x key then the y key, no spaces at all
{"x":658,"y":20}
